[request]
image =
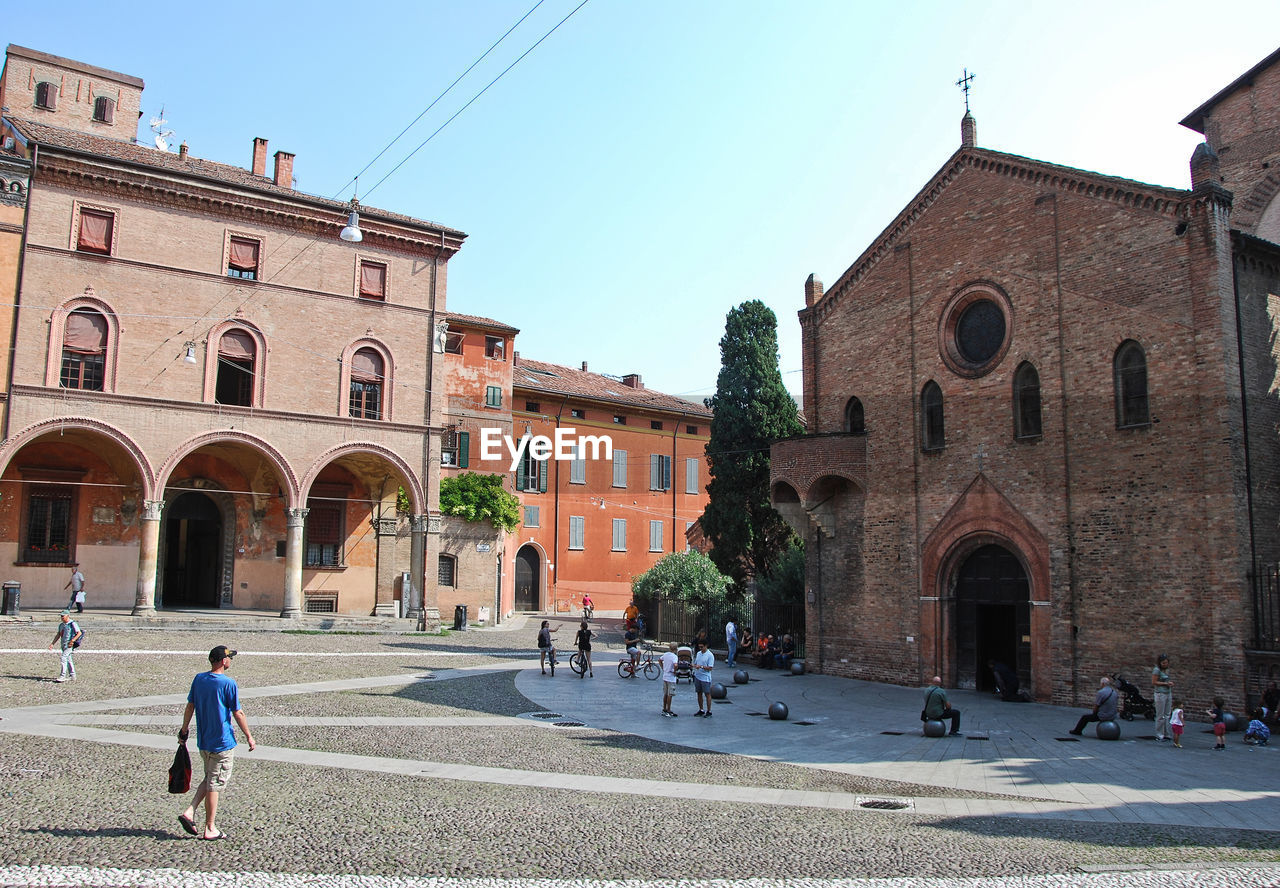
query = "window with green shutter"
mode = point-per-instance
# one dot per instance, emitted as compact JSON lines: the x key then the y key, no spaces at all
{"x":619,"y":468}
{"x":577,"y":526}
{"x":619,"y":534}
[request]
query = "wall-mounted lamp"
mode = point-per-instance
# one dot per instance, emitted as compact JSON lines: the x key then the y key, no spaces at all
{"x":190,"y":357}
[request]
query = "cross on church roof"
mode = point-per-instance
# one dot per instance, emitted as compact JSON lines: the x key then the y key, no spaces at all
{"x":963,"y":83}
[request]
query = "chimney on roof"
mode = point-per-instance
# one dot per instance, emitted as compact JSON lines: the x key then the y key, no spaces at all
{"x":812,"y":290}
{"x":284,"y":169}
{"x":182,"y":151}
{"x":968,"y":131}
{"x":1205,"y":167}
{"x":633,"y":380}
{"x":584,"y":366}
{"x":515,"y":359}
{"x":259,"y":167}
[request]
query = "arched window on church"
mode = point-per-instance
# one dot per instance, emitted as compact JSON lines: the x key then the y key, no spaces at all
{"x":367,"y":377}
{"x":1026,"y":402}
{"x":854,"y":421}
{"x":84,"y":350}
{"x":237,"y":354}
{"x":1132,"y":407}
{"x":932,"y":436}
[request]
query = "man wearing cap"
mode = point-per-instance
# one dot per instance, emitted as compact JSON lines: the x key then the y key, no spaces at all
{"x":214,"y":700}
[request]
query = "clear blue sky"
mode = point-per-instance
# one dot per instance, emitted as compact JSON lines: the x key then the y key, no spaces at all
{"x":654,"y":163}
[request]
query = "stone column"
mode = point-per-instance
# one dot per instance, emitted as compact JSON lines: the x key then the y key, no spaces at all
{"x":417,"y":558}
{"x":144,"y":603}
{"x":295,"y":520}
{"x":384,"y":592}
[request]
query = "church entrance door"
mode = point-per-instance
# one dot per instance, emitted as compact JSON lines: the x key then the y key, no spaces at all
{"x":528,"y":574}
{"x":993,"y":617}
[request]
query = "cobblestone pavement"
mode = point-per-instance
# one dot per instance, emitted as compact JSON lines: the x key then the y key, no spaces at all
{"x":414,"y":761}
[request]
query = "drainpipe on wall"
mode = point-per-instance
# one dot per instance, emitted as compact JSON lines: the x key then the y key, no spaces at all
{"x":17,"y":294}
{"x":555,"y":510}
{"x":420,"y":568}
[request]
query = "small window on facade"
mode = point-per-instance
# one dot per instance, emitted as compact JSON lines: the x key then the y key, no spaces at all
{"x":48,"y":538}
{"x":577,"y":531}
{"x":495,"y":347}
{"x":618,"y":419}
{"x":530,"y":516}
{"x":578,"y":467}
{"x":455,"y":449}
{"x":367,"y":378}
{"x":691,"y":430}
{"x":46,"y":95}
{"x":1026,"y":402}
{"x":325,"y":532}
{"x":854,"y":422}
{"x":236,"y":354}
{"x":242,"y":259}
{"x":453,"y":343}
{"x":531,"y":474}
{"x":619,"y":534}
{"x":532,"y":407}
{"x":1132,"y":407}
{"x":655,"y":424}
{"x":619,"y":468}
{"x":932,"y":436}
{"x":84,"y":350}
{"x":447,"y":571}
{"x":688,"y":525}
{"x":691,"y":475}
{"x":96,"y":231}
{"x":655,"y":536}
{"x":373,"y":281}
{"x":493,"y":396}
{"x":578,"y":414}
{"x":104,"y":109}
{"x":659,"y":472}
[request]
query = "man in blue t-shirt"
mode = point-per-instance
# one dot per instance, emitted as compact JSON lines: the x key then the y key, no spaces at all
{"x":214,"y":700}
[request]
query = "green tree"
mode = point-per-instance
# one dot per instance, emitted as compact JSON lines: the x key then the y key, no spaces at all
{"x":475,"y":497}
{"x":752,"y":409}
{"x":690,"y":576}
{"x":786,"y":584}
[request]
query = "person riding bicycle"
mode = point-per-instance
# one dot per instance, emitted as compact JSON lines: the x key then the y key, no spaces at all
{"x":546,"y":647}
{"x":583,"y":640}
{"x":587,"y":607}
{"x":631,"y":641}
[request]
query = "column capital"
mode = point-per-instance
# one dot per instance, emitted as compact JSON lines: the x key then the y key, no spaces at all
{"x":385,"y":526}
{"x":295,"y":517}
{"x":151,"y":509}
{"x":418,"y":523}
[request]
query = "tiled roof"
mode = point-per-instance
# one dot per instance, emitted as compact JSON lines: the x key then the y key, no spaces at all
{"x":140,"y":155}
{"x":556,"y":380}
{"x":484,"y":323}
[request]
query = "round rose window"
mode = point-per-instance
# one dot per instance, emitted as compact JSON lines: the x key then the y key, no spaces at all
{"x":980,"y":332}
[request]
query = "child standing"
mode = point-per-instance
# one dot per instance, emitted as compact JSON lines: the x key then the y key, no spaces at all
{"x":1219,"y":723}
{"x":1176,"y":723}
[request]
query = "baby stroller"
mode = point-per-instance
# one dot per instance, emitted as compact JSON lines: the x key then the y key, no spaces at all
{"x":1132,"y":703}
{"x":684,"y":663}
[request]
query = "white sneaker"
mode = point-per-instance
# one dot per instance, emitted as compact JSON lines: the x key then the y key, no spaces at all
{"x":60,"y":678}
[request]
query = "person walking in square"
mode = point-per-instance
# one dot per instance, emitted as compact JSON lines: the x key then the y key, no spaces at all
{"x":1162,"y":696}
{"x":1106,"y":703}
{"x":938,"y":708}
{"x":669,"y":661}
{"x":76,"y":585}
{"x":68,"y":635}
{"x":214,"y":699}
{"x":703,"y":662}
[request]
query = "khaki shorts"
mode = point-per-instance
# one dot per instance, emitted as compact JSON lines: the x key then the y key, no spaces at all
{"x":217,"y":769}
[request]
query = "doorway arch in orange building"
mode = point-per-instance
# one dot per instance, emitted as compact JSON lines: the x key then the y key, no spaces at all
{"x":528,"y":579}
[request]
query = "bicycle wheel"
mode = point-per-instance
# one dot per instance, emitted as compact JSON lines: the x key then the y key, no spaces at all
{"x":651,"y":670}
{"x":625,"y":670}
{"x":578,"y":663}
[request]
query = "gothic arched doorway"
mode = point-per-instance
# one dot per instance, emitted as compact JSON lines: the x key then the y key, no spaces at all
{"x":192,"y":552}
{"x":993,"y":617}
{"x":528,"y":579}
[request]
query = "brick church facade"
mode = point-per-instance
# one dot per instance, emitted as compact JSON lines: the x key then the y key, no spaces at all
{"x":1043,"y":421}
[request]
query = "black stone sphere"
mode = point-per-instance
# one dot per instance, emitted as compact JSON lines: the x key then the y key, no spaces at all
{"x":740,"y":677}
{"x":935,"y":728}
{"x":719,"y":691}
{"x":797,"y":667}
{"x":1231,"y":720}
{"x":1107,"y":730}
{"x":778,"y":711}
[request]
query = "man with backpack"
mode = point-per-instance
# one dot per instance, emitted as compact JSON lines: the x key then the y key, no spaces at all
{"x":69,"y":636}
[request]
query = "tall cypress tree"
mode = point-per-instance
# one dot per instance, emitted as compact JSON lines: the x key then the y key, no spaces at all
{"x":752,"y":410}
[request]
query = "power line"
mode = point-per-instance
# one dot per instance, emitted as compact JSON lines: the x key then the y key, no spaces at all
{"x":476,"y":96}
